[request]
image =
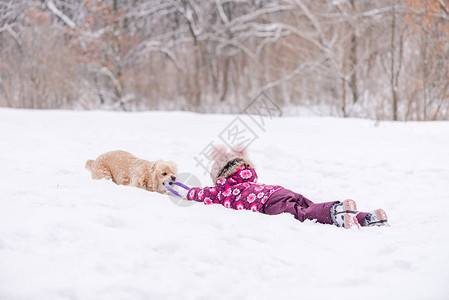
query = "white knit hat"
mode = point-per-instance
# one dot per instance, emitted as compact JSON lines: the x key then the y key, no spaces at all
{"x":227,"y":162}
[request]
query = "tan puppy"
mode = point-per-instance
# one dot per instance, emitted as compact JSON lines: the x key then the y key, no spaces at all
{"x":126,"y":169}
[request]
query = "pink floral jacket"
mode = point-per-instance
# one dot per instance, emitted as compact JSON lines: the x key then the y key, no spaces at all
{"x":238,"y":191}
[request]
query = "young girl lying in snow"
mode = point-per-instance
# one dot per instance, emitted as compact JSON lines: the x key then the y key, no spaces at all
{"x":236,"y":187}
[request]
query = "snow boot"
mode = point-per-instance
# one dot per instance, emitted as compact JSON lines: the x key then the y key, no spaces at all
{"x":376,"y":218}
{"x":343,"y":214}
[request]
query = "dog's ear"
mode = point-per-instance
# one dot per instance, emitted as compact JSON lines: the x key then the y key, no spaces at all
{"x":143,"y":178}
{"x":151,"y":181}
{"x":139,"y":177}
{"x":154,"y":176}
{"x":218,"y":152}
{"x":240,"y":149}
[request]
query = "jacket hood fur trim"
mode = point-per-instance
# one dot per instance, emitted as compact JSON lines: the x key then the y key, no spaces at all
{"x":232,"y":166}
{"x":226,"y":163}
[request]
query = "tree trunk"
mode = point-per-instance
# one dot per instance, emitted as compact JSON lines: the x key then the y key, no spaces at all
{"x":392,"y":70}
{"x":225,"y":79}
{"x":343,"y":90}
{"x":353,"y":59}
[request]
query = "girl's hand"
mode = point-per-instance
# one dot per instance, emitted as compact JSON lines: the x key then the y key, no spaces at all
{"x":183,"y":193}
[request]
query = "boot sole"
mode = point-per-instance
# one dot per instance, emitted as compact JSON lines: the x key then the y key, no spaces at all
{"x":382,"y":217}
{"x":350,"y":211}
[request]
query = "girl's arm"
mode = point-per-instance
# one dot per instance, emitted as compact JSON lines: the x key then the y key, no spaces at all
{"x":207,"y":195}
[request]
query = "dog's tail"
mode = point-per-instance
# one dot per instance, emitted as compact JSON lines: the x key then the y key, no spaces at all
{"x":89,"y":164}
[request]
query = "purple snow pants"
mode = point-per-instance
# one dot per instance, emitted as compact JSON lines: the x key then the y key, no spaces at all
{"x":286,"y":201}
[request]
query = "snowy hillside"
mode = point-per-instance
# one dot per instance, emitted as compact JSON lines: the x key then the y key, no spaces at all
{"x":66,"y":236}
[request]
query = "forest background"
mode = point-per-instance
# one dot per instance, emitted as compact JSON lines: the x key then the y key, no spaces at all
{"x":383,"y":59}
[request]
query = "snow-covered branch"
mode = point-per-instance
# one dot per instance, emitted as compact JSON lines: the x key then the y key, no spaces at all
{"x":52,"y":7}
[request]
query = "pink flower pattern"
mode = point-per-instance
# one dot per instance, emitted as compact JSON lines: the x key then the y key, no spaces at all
{"x":258,"y":188}
{"x":238,"y":191}
{"x":264,"y":199}
{"x":221,"y":181}
{"x":253,"y":207}
{"x":227,"y":192}
{"x":245,"y":174}
{"x":251,"y":198}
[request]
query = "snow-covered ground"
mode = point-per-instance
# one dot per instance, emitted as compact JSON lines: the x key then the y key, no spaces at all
{"x":66,"y":236}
